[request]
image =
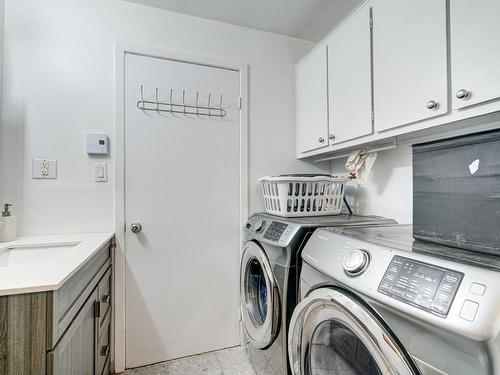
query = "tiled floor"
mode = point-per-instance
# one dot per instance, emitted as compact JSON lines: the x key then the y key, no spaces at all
{"x":233,"y":361}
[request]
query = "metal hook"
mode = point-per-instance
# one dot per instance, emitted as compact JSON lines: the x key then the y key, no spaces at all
{"x":140,"y":103}
{"x":209,"y":97}
{"x":197,"y":94}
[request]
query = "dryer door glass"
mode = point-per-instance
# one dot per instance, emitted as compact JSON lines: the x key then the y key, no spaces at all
{"x":333,"y":333}
{"x":256,"y":292}
{"x":259,"y":297}
{"x":336,"y":349}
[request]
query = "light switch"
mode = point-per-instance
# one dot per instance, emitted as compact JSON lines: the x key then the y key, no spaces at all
{"x":44,"y":169}
{"x":101,"y":172}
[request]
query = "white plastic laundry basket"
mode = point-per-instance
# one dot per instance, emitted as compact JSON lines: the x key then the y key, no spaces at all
{"x":296,"y":196}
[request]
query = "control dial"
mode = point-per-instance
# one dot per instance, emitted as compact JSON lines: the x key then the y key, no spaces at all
{"x":356,"y":262}
{"x":259,"y":225}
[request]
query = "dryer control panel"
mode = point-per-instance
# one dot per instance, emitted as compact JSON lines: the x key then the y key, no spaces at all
{"x":423,"y":285}
{"x":275,"y":231}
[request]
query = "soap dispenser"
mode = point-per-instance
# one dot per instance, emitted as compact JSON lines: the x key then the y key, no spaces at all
{"x":8,"y":224}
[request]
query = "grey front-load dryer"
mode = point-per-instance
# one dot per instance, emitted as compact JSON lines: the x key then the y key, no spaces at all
{"x":374,"y":301}
{"x":269,"y":279}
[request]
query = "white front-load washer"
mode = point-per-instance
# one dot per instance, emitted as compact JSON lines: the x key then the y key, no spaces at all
{"x":374,"y":301}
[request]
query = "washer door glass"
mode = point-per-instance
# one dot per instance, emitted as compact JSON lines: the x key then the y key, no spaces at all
{"x":256,"y":292}
{"x":336,"y":349}
{"x":259,"y":297}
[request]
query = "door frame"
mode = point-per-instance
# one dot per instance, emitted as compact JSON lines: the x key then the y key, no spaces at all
{"x":119,"y":256}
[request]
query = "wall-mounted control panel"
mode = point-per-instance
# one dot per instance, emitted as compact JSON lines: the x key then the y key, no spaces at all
{"x":97,"y":144}
{"x":425,"y":286}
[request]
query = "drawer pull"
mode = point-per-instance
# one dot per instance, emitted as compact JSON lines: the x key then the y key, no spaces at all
{"x":97,"y":309}
{"x":104,"y":350}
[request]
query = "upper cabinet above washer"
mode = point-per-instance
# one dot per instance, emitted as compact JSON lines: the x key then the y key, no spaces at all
{"x":409,"y":61}
{"x":349,"y":80}
{"x":475,"y":51}
{"x":311,"y":98}
{"x":421,"y":69}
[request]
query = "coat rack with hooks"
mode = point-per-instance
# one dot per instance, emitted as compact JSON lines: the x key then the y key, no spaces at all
{"x":181,"y":108}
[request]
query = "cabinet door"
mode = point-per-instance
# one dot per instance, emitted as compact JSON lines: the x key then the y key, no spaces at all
{"x":312,"y":101}
{"x":409,"y":61}
{"x":74,"y":354}
{"x":349,"y":79}
{"x":475,"y":51}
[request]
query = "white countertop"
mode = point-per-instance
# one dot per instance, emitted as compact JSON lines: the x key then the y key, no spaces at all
{"x":43,"y":263}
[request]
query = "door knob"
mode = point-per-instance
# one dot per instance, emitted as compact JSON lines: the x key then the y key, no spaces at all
{"x":462,"y":94}
{"x":432,"y":104}
{"x":321,"y":140}
{"x":331,"y":137}
{"x":135,"y":227}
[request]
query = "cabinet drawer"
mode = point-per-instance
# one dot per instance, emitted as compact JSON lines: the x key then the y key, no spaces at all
{"x":67,"y":300}
{"x":103,"y":348}
{"x":104,"y":299}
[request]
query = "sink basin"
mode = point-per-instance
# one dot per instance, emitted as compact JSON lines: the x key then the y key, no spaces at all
{"x":26,"y":255}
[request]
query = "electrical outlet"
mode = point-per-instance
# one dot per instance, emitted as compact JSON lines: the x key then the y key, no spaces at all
{"x":44,"y":169}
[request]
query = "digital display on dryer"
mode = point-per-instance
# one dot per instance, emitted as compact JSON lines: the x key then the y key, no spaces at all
{"x":422,"y":285}
{"x":275,"y":231}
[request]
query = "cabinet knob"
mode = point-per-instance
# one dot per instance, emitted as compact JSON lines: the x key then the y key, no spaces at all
{"x":432,"y":104}
{"x":331,"y":137}
{"x":462,"y":94}
{"x":321,"y":140}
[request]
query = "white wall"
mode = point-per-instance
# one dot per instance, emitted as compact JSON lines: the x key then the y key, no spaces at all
{"x":59,"y":84}
{"x":388,"y":191}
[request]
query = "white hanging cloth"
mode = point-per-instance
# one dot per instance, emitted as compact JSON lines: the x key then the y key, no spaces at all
{"x":359,"y":163}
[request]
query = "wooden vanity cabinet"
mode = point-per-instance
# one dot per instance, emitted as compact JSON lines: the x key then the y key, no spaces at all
{"x":61,"y":332}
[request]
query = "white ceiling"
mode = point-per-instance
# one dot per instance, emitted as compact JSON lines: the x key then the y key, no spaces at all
{"x":304,"y":19}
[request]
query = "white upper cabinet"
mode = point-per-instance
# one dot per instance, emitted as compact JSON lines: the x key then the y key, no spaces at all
{"x":311,"y":101}
{"x":475,"y":51}
{"x":349,"y":79}
{"x":409,"y":61}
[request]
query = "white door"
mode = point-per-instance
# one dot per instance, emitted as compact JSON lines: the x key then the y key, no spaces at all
{"x":409,"y":61}
{"x":312,"y":101}
{"x":349,"y":79}
{"x":475,"y":51}
{"x":182,"y":184}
